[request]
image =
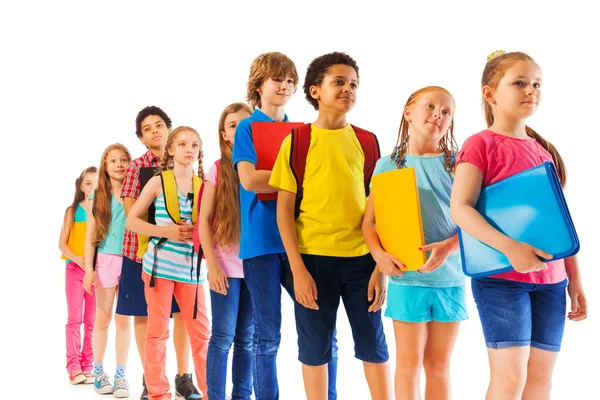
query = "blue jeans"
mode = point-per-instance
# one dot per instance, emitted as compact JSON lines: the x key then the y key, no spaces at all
{"x":516,"y":314}
{"x":231,"y":324}
{"x":264,"y":276}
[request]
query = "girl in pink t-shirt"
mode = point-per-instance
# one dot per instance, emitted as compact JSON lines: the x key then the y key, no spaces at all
{"x":219,"y":229}
{"x":523,"y":311}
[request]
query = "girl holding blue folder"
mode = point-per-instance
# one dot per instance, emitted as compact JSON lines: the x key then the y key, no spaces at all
{"x":522,"y":311}
{"x":426,"y":305}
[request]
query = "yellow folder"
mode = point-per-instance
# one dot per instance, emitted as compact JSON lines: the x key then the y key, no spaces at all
{"x":398,"y":216}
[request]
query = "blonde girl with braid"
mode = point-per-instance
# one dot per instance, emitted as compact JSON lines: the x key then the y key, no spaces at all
{"x":522,"y":312}
{"x":103,"y":260}
{"x":171,"y":268}
{"x":426,"y":305}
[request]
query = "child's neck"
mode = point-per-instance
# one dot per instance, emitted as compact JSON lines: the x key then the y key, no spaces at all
{"x":157,"y":152}
{"x":509,"y":127}
{"x":330,"y":121}
{"x":116,"y":187}
{"x":183,"y":177}
{"x":276,"y":113}
{"x":419,"y":146}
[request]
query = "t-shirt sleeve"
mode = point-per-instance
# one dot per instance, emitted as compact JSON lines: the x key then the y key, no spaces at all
{"x":131,"y":183}
{"x":211,"y":175}
{"x":474,"y":151}
{"x":243,"y":146}
{"x":282,"y":177}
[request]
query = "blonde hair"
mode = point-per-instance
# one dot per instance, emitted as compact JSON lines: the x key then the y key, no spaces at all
{"x":265,"y":66}
{"x":103,"y":195}
{"x":167,"y":158}
{"x":494,"y":70}
{"x":447,"y":143}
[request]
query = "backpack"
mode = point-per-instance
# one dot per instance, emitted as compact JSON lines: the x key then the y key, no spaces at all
{"x":299,"y":152}
{"x":197,"y":245}
{"x":169,"y":186}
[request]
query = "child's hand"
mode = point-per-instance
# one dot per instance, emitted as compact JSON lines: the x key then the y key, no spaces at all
{"x":89,"y":280}
{"x":389,"y":265}
{"x":217,"y":281}
{"x":305,"y":289}
{"x":524,"y":258}
{"x":376,"y":285}
{"x":182,"y":232}
{"x":578,"y":301}
{"x":438,"y":255}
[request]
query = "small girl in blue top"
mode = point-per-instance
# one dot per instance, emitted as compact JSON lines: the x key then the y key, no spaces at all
{"x":105,"y":231}
{"x":426,"y":305}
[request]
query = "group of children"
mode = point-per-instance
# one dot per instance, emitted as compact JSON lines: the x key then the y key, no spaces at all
{"x":318,"y":240}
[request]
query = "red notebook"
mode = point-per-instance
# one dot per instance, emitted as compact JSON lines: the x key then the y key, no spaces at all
{"x":267,"y":138}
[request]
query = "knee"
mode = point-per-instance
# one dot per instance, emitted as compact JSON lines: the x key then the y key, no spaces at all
{"x":267,"y":346}
{"x":541,"y":381}
{"x":221,"y":341}
{"x":408,"y":367}
{"x":511,"y":381}
{"x":122,"y":323}
{"x":74,"y":319}
{"x":436,"y":367}
{"x":103,"y":319}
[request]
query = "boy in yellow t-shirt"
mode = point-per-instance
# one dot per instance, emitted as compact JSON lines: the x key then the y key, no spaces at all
{"x":327,"y":253}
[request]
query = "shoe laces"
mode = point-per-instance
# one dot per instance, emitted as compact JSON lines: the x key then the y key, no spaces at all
{"x":120,"y":383}
{"x":103,"y":379}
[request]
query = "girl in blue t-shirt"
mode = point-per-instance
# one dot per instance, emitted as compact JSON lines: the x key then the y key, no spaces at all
{"x":426,"y":305}
{"x":105,"y":230}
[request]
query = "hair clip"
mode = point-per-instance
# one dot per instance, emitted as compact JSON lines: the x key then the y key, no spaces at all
{"x":495,"y":54}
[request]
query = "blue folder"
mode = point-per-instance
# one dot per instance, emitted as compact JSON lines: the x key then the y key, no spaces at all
{"x":529,"y":207}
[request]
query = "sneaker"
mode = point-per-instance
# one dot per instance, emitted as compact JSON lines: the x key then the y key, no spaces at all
{"x":102,"y":384}
{"x":89,"y":377}
{"x":185,"y":389}
{"x":121,"y":388}
{"x":76,"y":377}
{"x":144,"y":395}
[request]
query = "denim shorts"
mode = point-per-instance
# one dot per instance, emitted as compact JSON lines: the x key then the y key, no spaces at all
{"x":345,"y":278}
{"x":516,"y":314}
{"x":424,"y":304}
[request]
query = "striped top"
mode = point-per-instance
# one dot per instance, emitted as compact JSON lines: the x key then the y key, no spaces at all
{"x":174,"y":261}
{"x":76,"y":241}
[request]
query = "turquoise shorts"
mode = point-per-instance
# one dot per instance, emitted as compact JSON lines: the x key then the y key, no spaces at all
{"x":424,"y":304}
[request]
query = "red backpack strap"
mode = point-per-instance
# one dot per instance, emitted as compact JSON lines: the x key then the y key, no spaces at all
{"x":370,"y":146}
{"x":299,"y":151}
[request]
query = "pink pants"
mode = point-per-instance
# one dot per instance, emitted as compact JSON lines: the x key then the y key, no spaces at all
{"x":159,"y":299}
{"x":79,"y":358}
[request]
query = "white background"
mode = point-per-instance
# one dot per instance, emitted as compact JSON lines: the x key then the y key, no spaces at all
{"x":74,"y":75}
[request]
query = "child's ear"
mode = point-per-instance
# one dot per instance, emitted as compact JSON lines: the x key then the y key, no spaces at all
{"x":407,"y":112}
{"x":314,"y":92}
{"x":488,"y":96}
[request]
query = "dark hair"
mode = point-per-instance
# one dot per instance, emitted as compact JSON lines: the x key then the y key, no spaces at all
{"x":79,"y":195}
{"x":318,"y":68}
{"x":146,"y":112}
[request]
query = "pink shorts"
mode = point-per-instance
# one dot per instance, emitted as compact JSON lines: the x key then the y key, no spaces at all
{"x":108,"y":270}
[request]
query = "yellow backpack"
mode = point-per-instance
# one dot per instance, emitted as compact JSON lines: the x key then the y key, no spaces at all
{"x":169,"y":186}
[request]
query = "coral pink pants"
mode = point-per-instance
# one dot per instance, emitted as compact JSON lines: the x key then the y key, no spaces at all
{"x":159,"y":299}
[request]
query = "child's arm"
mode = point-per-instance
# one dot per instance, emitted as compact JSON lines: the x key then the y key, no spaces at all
{"x":465,"y":193}
{"x":305,"y":288}
{"x":438,"y":253}
{"x":182,"y":232}
{"x":88,"y":255}
{"x":387,"y":263}
{"x":64,"y":239}
{"x":575,"y":289}
{"x":254,"y":180}
{"x":217,"y":280}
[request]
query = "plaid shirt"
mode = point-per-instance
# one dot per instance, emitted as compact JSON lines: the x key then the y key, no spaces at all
{"x":131,"y":188}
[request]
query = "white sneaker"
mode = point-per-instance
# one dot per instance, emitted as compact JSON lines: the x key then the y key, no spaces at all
{"x":102,"y":384}
{"x":121,"y":388}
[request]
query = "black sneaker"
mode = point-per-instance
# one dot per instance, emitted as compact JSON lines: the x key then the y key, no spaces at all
{"x":144,"y":395}
{"x":185,"y":389}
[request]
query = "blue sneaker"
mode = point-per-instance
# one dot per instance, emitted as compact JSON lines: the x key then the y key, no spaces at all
{"x":102,"y":384}
{"x":121,"y":388}
{"x":185,"y":389}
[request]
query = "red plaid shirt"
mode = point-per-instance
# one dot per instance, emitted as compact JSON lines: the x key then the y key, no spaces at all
{"x":131,"y":188}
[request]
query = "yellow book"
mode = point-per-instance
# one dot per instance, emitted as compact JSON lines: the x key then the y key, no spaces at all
{"x":398,"y":216}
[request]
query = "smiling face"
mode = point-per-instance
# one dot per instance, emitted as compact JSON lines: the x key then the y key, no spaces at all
{"x":518,"y":92}
{"x":337,"y":92}
{"x":430,"y":116}
{"x":117,"y":162}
